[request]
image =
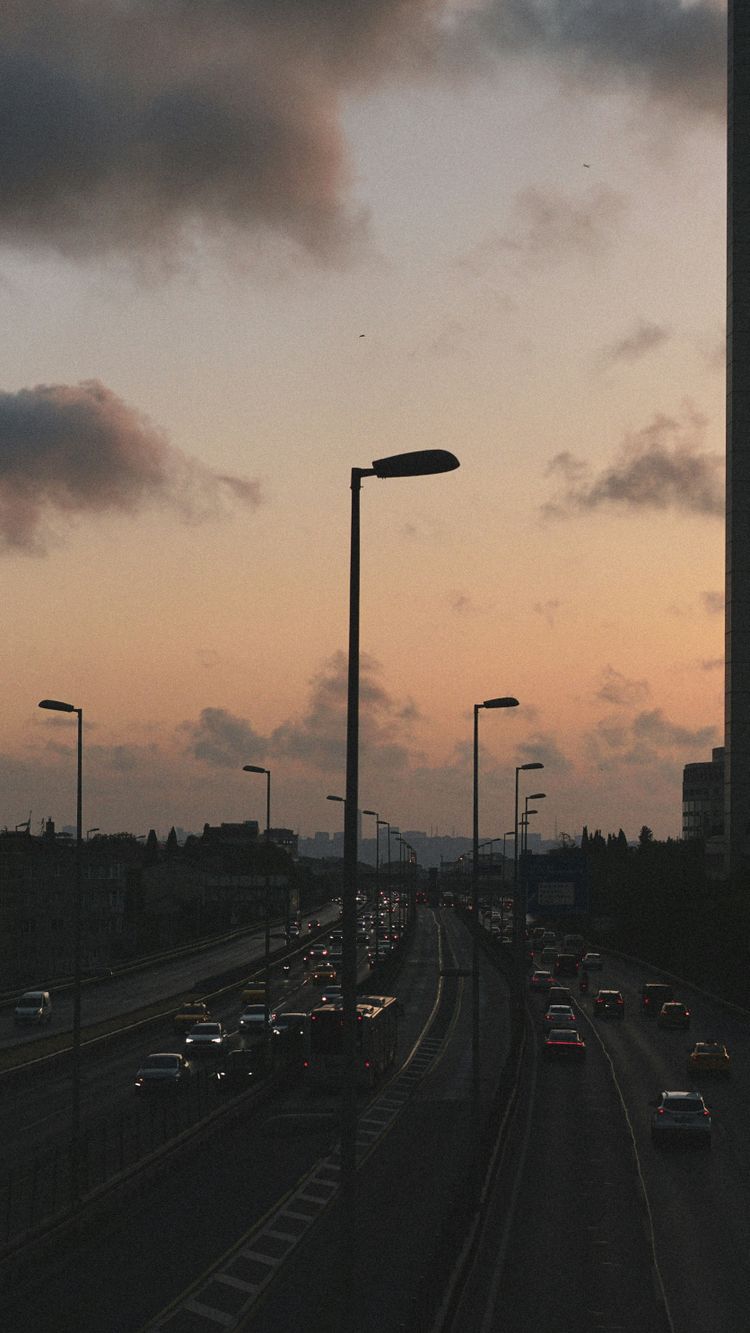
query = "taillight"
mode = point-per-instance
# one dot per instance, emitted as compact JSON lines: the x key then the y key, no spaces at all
{"x":706,"y":1111}
{"x":660,"y":1111}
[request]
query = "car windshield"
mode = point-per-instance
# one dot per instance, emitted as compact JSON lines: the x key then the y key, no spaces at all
{"x":162,"y":1062}
{"x":255,"y":1011}
{"x":206,"y":1030}
{"x":565,"y":1035}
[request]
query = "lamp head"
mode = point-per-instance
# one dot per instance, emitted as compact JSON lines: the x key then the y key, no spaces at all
{"x":537,"y":796}
{"x":57,"y":706}
{"x":524,"y":768}
{"x":342,"y":799}
{"x":253,"y":768}
{"x":507,"y":701}
{"x":420,"y":463}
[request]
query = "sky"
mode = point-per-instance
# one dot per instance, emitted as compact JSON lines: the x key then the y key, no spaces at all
{"x":247,"y":245}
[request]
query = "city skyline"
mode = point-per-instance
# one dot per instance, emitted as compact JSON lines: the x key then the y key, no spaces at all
{"x":495,"y":237}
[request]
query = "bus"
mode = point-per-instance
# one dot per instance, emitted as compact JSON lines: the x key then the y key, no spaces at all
{"x":377,"y":1036}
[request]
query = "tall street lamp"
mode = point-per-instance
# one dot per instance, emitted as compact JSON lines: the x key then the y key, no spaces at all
{"x":422,"y":462}
{"x":519,"y":907}
{"x":535,"y":796}
{"x":254,"y":768}
{"x":505,"y":701}
{"x":56,"y":706}
{"x":378,"y":822}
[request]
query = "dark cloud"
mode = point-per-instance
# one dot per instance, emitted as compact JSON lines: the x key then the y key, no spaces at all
{"x":542,"y":747}
{"x":712,"y":664}
{"x":127,"y":123}
{"x":319,"y":736}
{"x":641,"y":340}
{"x":647,"y":738}
{"x":548,"y":225}
{"x":669,"y":51}
{"x":222,"y":740}
{"x":68,"y":450}
{"x":618,"y":689}
{"x":713,"y":602}
{"x":654,"y":727}
{"x":661,"y":466}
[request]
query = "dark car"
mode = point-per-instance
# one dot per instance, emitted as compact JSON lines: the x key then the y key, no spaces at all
{"x":609,"y":1004}
{"x":289,"y":1030}
{"x":239,"y":1071}
{"x":163,"y":1072}
{"x":565,"y":965}
{"x":564,"y":1044}
{"x":653,"y":995}
{"x":681,"y":1117}
{"x":674,"y":1014}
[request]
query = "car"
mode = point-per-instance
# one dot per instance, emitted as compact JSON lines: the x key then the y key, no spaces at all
{"x":238,"y":1072}
{"x":96,"y":973}
{"x":253,"y":1020}
{"x":332,"y":995}
{"x":205,"y":1039}
{"x":164,"y":1071}
{"x":564,"y":1043}
{"x":189,"y":1013}
{"x":653,"y":995}
{"x":560,"y":1016}
{"x":566,"y":965}
{"x":609,"y":1004}
{"x":314,"y":954}
{"x":34,"y":1006}
{"x":674,"y":1014}
{"x":313,"y":924}
{"x":336,"y":937}
{"x":709,"y":1057}
{"x":681,"y":1116}
{"x":293,"y":930}
{"x":592,"y":962}
{"x":325,"y":975}
{"x":540,"y":979}
{"x":559,"y":995}
{"x":289,"y":1028}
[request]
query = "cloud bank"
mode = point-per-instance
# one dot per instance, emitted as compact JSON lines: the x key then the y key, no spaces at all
{"x":66,"y":451}
{"x":125,"y":125}
{"x":661,"y":466}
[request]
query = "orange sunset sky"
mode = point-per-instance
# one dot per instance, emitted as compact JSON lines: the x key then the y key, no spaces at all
{"x":245,"y":247}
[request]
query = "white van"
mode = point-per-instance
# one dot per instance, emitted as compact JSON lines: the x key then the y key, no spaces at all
{"x":34,"y":1006}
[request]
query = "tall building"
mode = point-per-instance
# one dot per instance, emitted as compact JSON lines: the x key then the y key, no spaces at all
{"x":737,"y":677}
{"x":703,"y":798}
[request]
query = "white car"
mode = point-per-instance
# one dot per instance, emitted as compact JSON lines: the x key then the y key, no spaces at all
{"x":681,"y":1116}
{"x":205,"y":1039}
{"x":560,"y":1016}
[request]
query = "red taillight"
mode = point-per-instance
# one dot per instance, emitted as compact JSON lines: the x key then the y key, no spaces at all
{"x":706,"y":1111}
{"x":305,"y":1064}
{"x":660,"y":1111}
{"x":367,"y":1064}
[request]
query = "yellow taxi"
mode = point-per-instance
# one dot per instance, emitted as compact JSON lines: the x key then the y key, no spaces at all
{"x":710,"y":1057}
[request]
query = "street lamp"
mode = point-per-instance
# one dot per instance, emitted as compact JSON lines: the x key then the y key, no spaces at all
{"x":378,"y":822}
{"x":56,"y":706}
{"x":519,"y":915}
{"x":89,"y":831}
{"x":535,"y":796}
{"x":254,"y":768}
{"x":505,"y":701}
{"x":422,"y":462}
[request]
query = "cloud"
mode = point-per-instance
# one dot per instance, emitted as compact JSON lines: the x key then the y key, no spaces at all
{"x":542,"y":747}
{"x":319,"y":736}
{"x":712,"y":664}
{"x":655,"y":728}
{"x":66,"y":451}
{"x":659,"y":467}
{"x":222,"y":740}
{"x":548,"y":226}
{"x":129,"y":125}
{"x":461,"y":603}
{"x":641,"y":340}
{"x":666,"y":50}
{"x":618,"y":689}
{"x":713,"y":602}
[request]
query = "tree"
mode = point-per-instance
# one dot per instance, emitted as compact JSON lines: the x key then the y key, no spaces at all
{"x":645,"y":836}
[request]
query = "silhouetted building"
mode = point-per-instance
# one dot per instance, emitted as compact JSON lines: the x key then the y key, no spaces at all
{"x":703,"y":798}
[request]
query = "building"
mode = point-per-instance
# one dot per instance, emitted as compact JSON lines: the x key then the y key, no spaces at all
{"x":703,"y":798}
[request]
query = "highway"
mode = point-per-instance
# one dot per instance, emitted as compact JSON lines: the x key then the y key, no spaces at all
{"x":587,"y":1225}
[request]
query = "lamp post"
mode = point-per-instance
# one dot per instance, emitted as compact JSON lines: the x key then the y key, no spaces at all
{"x":420,"y":463}
{"x":535,"y":796}
{"x":505,"y":701}
{"x":519,"y":906}
{"x":254,"y":768}
{"x":378,"y":822}
{"x":382,"y":823}
{"x":56,"y":706}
